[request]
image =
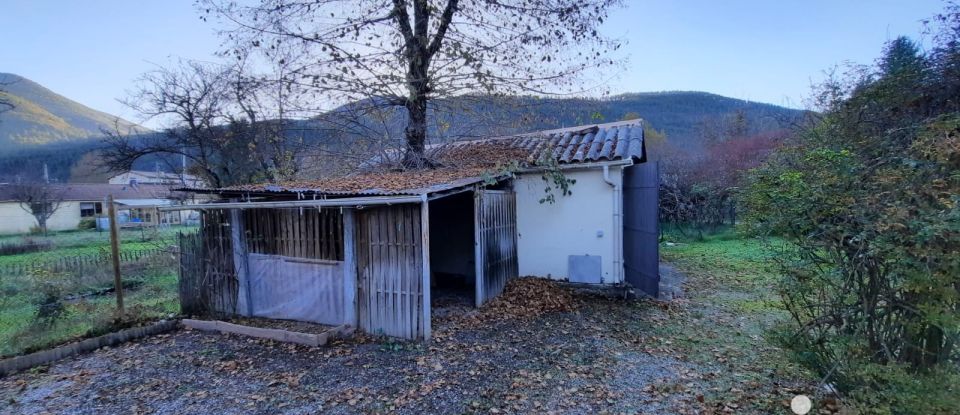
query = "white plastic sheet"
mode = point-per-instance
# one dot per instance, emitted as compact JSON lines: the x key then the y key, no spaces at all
{"x":294,"y":289}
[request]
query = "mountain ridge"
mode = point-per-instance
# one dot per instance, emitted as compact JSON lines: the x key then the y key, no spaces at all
{"x":41,"y":116}
{"x":685,"y":117}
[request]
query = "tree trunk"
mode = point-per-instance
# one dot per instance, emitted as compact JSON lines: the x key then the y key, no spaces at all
{"x":418,"y":86}
{"x":416,"y":132}
{"x":42,"y":224}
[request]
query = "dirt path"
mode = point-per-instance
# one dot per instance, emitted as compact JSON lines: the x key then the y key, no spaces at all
{"x":607,"y":356}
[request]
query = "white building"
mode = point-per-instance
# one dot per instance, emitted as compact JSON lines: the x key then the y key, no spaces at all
{"x":156,"y":177}
{"x":136,"y":205}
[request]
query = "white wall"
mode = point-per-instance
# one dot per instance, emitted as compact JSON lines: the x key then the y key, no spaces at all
{"x":548,"y":233}
{"x":15,"y":220}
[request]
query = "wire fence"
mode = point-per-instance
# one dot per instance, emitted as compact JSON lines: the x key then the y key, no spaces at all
{"x":60,"y":286}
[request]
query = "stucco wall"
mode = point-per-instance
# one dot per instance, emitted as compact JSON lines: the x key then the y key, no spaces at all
{"x":579,"y":224}
{"x":14,"y":219}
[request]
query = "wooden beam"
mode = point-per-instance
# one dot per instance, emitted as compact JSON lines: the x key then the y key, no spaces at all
{"x":349,"y":269}
{"x":478,"y":247}
{"x":115,"y":254}
{"x":425,"y":249}
{"x":241,"y":263}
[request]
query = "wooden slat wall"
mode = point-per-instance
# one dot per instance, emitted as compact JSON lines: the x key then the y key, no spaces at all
{"x":191,"y":273}
{"x":496,"y":227}
{"x":219,"y":286}
{"x":300,"y":233}
{"x":390,"y":270}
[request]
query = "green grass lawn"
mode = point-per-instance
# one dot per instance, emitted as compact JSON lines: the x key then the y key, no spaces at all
{"x":152,"y":292}
{"x":21,"y":332}
{"x":733,"y":316}
{"x":90,"y":242}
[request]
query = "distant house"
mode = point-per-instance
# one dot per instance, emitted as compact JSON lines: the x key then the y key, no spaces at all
{"x":373,"y":249}
{"x":155,"y":177}
{"x":136,"y":205}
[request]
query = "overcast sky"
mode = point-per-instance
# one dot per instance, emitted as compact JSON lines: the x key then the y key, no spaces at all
{"x":91,"y":51}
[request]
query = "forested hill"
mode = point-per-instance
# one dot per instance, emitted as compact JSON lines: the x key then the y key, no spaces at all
{"x":681,"y":114}
{"x":686,"y":117}
{"x":41,"y":116}
{"x":48,"y":128}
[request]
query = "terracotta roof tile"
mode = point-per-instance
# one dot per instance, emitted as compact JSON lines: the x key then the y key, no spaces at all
{"x":466,"y":162}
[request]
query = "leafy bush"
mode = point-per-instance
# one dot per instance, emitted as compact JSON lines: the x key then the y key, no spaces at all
{"x":870,"y":197}
{"x":49,"y":289}
{"x":87,"y":223}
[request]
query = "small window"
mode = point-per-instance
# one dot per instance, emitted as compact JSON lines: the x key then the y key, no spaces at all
{"x":89,"y":210}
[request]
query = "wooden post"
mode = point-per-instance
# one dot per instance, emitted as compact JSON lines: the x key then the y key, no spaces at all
{"x":115,"y":251}
{"x":478,"y":247}
{"x":349,"y":269}
{"x":241,"y":263}
{"x":425,"y":251}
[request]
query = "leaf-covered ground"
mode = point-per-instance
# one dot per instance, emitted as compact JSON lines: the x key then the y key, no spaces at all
{"x":565,"y":353}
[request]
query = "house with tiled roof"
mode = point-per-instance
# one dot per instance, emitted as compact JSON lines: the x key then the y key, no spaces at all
{"x":137,"y":205}
{"x":375,"y":248}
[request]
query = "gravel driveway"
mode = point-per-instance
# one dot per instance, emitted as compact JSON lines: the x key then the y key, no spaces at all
{"x":602,"y":356}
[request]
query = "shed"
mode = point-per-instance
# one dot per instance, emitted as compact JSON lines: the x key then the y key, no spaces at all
{"x":370,"y":249}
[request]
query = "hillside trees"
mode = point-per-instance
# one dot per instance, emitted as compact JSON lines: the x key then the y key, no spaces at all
{"x":6,"y":104}
{"x":699,"y":188}
{"x":868,"y":199}
{"x":408,"y":53}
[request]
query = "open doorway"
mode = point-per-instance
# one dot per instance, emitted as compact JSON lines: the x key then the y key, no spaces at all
{"x":452,"y":253}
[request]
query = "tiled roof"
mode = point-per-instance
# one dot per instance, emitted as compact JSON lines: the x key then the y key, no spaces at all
{"x":466,"y":162}
{"x":89,"y":192}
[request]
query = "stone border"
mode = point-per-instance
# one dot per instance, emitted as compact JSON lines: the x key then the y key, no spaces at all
{"x":18,"y":363}
{"x":307,"y":339}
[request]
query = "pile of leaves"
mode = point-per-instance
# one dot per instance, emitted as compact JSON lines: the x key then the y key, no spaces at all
{"x":528,"y":297}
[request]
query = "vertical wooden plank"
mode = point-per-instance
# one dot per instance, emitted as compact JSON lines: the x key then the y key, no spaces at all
{"x":329,"y":249}
{"x":363,"y":270}
{"x":319,"y":238}
{"x":415,"y":280}
{"x":478,"y":247}
{"x":326,"y":233}
{"x":297,"y":232}
{"x":330,"y":235}
{"x":349,"y":270}
{"x":409,"y":311}
{"x":377,"y":262}
{"x":338,"y":224}
{"x":425,"y":252}
{"x":241,"y":262}
{"x":396,"y":273}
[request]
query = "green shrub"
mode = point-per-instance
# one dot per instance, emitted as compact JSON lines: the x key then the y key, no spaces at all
{"x":869,"y":197}
{"x":49,"y":289}
{"x":87,"y":223}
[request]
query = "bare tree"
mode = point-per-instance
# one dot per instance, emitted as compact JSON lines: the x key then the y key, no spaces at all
{"x":6,"y":104}
{"x":408,"y":53}
{"x":38,"y":198}
{"x":231,"y":126}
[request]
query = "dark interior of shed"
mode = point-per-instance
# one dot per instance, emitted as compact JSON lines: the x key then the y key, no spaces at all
{"x":452,"y":263}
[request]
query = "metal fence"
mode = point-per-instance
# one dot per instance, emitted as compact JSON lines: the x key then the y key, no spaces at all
{"x":60,"y":286}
